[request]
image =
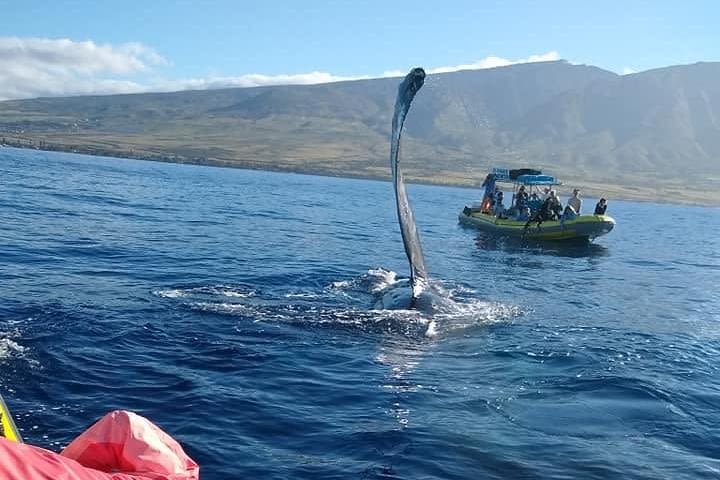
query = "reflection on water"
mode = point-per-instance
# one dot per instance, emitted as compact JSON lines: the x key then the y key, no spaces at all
{"x":402,"y":357}
{"x":565,"y":248}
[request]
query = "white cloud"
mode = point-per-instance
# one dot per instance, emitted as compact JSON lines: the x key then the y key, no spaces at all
{"x":259,"y":80}
{"x":628,"y":71}
{"x":33,"y":67}
{"x":41,"y":66}
{"x":493,"y":62}
{"x":251,"y":80}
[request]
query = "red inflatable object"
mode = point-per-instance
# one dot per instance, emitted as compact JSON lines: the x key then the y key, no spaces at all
{"x":120,"y":446}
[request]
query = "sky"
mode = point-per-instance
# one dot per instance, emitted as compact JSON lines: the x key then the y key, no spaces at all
{"x":72,"y":47}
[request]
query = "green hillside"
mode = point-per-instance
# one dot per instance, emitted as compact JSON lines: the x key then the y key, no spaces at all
{"x":650,"y":135}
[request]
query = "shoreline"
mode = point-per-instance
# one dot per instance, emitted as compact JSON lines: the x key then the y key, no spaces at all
{"x":587,"y":189}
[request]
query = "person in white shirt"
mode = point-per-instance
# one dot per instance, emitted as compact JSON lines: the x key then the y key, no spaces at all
{"x":575,"y":202}
{"x":499,"y":208}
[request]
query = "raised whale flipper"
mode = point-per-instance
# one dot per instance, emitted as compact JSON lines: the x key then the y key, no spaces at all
{"x":411,"y":240}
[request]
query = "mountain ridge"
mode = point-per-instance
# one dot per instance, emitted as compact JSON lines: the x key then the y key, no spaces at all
{"x":650,"y":135}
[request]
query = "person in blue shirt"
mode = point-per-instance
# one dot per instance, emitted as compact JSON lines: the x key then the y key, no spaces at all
{"x":488,"y":196}
{"x":523,"y":214}
{"x":521,"y":198}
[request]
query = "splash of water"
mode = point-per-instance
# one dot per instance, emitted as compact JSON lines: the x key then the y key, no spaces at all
{"x":349,"y":303}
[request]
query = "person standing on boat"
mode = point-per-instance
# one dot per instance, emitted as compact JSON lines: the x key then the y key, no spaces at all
{"x":489,"y":184}
{"x":601,"y":207}
{"x":521,"y":198}
{"x":534,"y":202}
{"x":555,"y":206}
{"x":499,"y":209}
{"x":575,"y":202}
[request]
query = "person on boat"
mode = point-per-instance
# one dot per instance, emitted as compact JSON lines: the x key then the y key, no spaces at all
{"x":499,"y":208}
{"x":575,"y":202}
{"x":120,"y":446}
{"x":554,"y":207}
{"x":489,"y":184}
{"x":521,"y":198}
{"x":601,"y":207}
{"x":549,"y":210}
{"x":567,"y":215}
{"x":523,"y":214}
{"x":537,"y":217}
{"x":551,"y":207}
{"x":534,"y":203}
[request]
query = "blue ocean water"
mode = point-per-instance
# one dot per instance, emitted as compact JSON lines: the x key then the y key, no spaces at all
{"x":235,"y":309}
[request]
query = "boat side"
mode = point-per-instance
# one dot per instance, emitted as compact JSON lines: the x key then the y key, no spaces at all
{"x":583,"y":226}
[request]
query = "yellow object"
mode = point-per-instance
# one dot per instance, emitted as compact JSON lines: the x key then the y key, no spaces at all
{"x":7,"y":425}
{"x":586,"y":227}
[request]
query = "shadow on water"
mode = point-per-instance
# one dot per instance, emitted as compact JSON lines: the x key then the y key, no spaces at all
{"x":565,"y":248}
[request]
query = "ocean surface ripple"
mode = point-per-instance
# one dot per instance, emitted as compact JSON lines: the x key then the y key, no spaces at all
{"x":236,"y":310}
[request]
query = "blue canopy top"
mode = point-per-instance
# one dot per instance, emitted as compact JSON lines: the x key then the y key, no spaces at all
{"x":537,"y":180}
{"x":529,"y":177}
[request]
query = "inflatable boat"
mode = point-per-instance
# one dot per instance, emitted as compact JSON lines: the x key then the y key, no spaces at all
{"x":583,"y":227}
{"x":532,"y":225}
{"x":120,"y":446}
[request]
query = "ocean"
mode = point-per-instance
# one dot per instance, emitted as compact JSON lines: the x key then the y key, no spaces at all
{"x":235,"y":309}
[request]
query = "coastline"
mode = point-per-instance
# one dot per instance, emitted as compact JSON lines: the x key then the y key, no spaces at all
{"x":613,"y":192}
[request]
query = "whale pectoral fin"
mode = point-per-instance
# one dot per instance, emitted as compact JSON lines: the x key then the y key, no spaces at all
{"x":411,"y":239}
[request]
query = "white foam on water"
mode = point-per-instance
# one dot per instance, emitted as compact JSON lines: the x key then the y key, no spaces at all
{"x":209,"y":290}
{"x":431,"y":331}
{"x":229,"y":308}
{"x":381,"y":279}
{"x":227,"y":291}
{"x":232,"y":293}
{"x":172,"y":293}
{"x":349,"y":303}
{"x":9,"y":348}
{"x":302,"y":295}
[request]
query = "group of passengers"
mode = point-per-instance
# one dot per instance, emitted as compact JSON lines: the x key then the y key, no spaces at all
{"x":531,"y":208}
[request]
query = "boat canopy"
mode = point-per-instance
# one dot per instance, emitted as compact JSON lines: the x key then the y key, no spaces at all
{"x":524,"y":176}
{"x":537,"y":180}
